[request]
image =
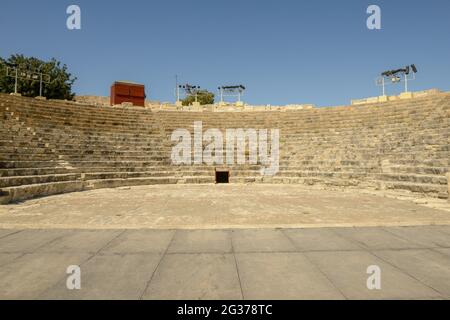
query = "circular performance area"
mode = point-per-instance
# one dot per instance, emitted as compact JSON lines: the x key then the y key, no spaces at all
{"x":222,"y":207}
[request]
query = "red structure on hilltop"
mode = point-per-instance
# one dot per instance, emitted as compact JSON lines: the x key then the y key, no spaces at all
{"x":123,"y":91}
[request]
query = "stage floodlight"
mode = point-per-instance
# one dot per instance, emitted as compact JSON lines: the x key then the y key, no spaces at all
{"x":407,"y":69}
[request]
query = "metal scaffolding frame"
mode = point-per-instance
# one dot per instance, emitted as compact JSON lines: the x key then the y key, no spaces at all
{"x":18,"y":72}
{"x":397,"y":76}
{"x":231,"y":91}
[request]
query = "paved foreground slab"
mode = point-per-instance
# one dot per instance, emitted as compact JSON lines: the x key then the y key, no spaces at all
{"x":223,"y":206}
{"x":326,"y":263}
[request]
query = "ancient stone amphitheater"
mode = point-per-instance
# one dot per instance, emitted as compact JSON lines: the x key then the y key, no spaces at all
{"x":52,"y":147}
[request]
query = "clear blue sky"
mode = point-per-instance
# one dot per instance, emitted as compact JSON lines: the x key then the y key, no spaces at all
{"x":284,"y":51}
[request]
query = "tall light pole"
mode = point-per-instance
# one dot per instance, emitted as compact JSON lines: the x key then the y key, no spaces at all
{"x":16,"y":81}
{"x":406,"y":82}
{"x":40,"y":86}
{"x":177,"y":88}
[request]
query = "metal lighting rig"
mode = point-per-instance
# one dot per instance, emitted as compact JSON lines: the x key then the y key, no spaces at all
{"x":396,"y":76}
{"x":26,"y":73}
{"x":189,"y":90}
{"x":231,"y":91}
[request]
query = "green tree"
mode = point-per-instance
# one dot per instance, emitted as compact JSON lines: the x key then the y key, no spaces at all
{"x":203,"y":96}
{"x":61,"y":81}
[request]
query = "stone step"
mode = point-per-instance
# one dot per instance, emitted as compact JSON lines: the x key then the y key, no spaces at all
{"x":192,"y":170}
{"x":432,"y":190}
{"x":28,"y":180}
{"x":40,"y":179}
{"x":114,"y":183}
{"x":24,"y":192}
{"x":80,"y":164}
{"x":414,"y":178}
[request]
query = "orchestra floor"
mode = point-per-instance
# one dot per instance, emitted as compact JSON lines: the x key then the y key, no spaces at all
{"x":222,"y":207}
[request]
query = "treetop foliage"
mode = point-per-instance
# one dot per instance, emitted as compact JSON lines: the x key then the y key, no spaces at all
{"x":61,"y":81}
{"x":203,"y":96}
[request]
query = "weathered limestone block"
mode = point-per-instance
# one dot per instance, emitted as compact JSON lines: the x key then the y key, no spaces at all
{"x":383,"y":99}
{"x":406,"y":95}
{"x":5,"y":197}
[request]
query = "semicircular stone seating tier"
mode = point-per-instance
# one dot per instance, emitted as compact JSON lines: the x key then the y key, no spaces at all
{"x":53,"y":147}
